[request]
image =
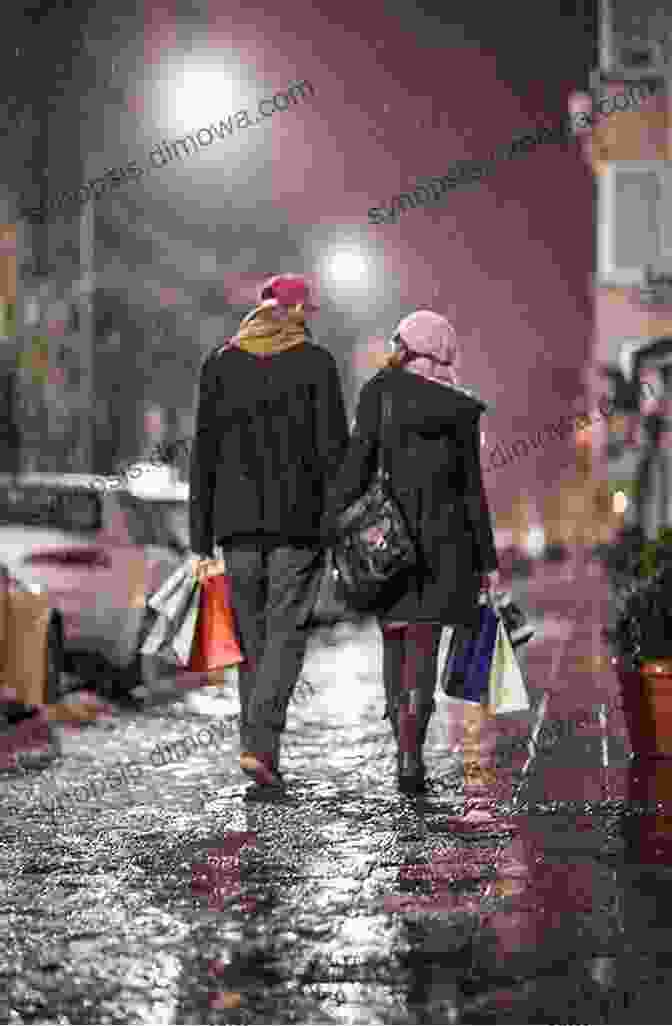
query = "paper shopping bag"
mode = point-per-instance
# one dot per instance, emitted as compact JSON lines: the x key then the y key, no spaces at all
{"x":4,"y":613}
{"x":215,"y":642}
{"x":25,"y":666}
{"x":466,"y":672}
{"x":172,"y":638}
{"x":506,"y":688}
{"x":173,"y":614}
{"x":174,"y":592}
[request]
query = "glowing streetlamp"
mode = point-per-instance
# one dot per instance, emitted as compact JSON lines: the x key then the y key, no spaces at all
{"x":348,"y":272}
{"x":347,"y":267}
{"x":198,"y":91}
{"x":202,"y":94}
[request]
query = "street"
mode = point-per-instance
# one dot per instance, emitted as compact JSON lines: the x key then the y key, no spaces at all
{"x":166,"y":898}
{"x":211,"y":339}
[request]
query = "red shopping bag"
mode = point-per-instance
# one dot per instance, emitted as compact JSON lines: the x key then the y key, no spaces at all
{"x":215,"y":643}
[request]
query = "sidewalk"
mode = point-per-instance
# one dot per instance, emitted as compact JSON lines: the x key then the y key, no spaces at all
{"x":170,"y":899}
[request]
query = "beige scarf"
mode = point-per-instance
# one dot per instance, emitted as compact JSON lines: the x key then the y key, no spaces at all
{"x":262,"y":334}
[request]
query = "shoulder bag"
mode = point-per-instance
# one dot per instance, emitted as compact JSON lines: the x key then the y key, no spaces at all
{"x":374,"y":545}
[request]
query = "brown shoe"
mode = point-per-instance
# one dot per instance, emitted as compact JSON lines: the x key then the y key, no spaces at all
{"x":261,"y":769}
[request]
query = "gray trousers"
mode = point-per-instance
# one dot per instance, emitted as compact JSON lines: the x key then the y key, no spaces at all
{"x":268,"y":588}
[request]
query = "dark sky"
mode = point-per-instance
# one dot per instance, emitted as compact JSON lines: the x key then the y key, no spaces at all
{"x":401,"y":92}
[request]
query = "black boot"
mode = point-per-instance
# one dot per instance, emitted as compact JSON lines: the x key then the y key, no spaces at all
{"x":400,"y":645}
{"x":411,"y":772}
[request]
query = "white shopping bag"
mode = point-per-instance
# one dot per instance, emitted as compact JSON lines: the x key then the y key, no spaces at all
{"x":507,"y":692}
{"x":176,"y":604}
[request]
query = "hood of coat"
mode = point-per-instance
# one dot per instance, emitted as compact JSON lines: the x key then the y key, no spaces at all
{"x":429,"y":405}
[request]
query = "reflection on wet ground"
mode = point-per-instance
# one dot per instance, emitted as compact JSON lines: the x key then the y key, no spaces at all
{"x":524,"y":890}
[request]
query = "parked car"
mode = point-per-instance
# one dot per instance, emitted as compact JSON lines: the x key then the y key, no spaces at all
{"x":98,"y":552}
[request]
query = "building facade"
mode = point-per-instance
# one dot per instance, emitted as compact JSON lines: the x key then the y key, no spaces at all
{"x":52,"y":362}
{"x":630,"y":153}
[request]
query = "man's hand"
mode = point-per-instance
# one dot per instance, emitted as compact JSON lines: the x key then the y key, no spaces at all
{"x":200,"y":566}
{"x":205,"y":566}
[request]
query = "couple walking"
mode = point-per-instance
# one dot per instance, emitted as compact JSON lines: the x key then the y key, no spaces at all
{"x":272,"y":465}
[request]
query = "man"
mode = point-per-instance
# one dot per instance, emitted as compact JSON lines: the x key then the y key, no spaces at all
{"x":271,"y":432}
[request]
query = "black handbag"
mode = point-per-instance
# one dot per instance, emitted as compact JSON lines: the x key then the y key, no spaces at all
{"x":327,"y":602}
{"x":374,"y":545}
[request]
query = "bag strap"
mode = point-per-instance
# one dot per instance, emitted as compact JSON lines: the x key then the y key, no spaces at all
{"x":385,"y":418}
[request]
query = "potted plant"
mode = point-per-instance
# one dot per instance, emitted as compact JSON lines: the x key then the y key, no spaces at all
{"x":656,"y":554}
{"x":622,"y":558}
{"x":642,"y":642}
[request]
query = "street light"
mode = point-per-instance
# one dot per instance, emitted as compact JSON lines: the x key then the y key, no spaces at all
{"x":199,"y":90}
{"x":202,"y":94}
{"x":347,"y":267}
{"x":348,"y":271}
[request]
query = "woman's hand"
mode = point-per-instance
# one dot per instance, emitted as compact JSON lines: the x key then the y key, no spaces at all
{"x":490,"y":582}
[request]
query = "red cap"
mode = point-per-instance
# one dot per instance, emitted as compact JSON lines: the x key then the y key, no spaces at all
{"x":288,"y":289}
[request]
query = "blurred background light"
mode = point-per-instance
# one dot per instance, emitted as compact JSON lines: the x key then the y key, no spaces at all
{"x":536,"y":542}
{"x":202,"y":94}
{"x":349,"y":272}
{"x":196,"y":90}
{"x":619,"y":502}
{"x":347,"y":267}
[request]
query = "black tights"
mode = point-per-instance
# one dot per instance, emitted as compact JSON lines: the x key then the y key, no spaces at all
{"x":410,"y":655}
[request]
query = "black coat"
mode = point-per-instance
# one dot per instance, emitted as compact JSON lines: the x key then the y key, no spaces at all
{"x":271,"y":433}
{"x":434,"y":447}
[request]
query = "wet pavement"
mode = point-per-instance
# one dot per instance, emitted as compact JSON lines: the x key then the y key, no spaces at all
{"x":140,"y":887}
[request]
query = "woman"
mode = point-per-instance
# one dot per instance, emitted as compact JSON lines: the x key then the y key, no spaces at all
{"x":434,"y":459}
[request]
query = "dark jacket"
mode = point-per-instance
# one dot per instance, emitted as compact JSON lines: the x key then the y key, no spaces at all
{"x":270,"y":434}
{"x":434,"y":446}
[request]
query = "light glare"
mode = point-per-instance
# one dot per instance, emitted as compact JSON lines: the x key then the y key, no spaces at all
{"x":347,"y":267}
{"x":203,"y":93}
{"x":619,"y":502}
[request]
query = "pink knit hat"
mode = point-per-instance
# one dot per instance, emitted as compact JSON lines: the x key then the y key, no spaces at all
{"x":288,"y":290}
{"x":429,"y":334}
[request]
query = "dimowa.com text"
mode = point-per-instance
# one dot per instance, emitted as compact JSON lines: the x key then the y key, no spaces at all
{"x":162,"y":454}
{"x":115,"y":777}
{"x":558,"y":432}
{"x":162,"y":153}
{"x":466,"y":172}
{"x":169,"y":452}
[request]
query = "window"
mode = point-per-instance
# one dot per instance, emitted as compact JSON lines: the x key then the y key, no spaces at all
{"x":72,"y":510}
{"x":633,"y":35}
{"x":634,"y":221}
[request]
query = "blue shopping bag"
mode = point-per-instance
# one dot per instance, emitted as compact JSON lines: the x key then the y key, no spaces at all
{"x":466,"y":672}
